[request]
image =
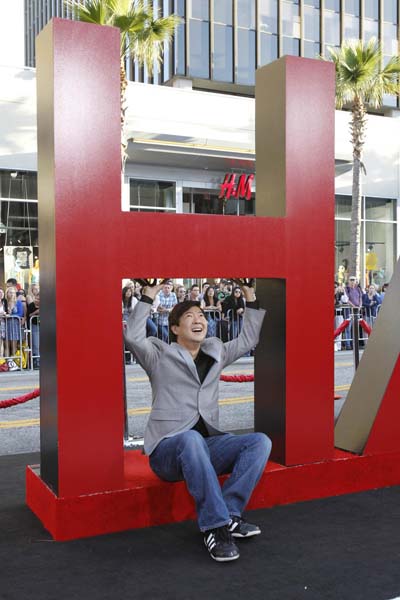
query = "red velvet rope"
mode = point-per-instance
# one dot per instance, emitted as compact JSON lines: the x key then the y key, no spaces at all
{"x":237,"y":378}
{"x":341,"y":328}
{"x":365,"y":326}
{"x":20,"y":399}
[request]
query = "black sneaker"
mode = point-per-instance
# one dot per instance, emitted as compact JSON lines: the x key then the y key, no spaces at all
{"x":220,"y":545}
{"x":240,"y":529}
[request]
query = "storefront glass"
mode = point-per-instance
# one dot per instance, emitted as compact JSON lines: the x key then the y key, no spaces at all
{"x":200,"y":201}
{"x":19,"y":252}
{"x":152,"y":196}
{"x":378,"y":239}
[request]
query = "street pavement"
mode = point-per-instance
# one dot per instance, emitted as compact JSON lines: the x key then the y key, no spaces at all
{"x":19,"y":425}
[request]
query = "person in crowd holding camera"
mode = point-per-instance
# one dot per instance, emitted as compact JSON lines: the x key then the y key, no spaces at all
{"x":182,"y":437}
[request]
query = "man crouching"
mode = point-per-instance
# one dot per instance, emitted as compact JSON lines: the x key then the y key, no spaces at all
{"x":182,"y":436}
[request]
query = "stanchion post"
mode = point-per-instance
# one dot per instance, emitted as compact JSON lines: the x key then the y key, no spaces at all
{"x":356,"y":341}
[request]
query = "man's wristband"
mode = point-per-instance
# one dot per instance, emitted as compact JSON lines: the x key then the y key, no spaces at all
{"x":253,"y":304}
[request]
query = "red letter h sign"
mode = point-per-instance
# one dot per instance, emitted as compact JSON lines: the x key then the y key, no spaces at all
{"x":88,"y":245}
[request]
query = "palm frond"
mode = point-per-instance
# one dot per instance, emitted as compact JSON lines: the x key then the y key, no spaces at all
{"x":94,"y":11}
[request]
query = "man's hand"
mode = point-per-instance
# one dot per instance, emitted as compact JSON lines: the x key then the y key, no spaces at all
{"x":249,"y":293}
{"x":152,"y":290}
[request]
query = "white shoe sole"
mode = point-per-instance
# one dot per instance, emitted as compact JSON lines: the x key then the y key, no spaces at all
{"x":220,"y":559}
{"x":242,"y":537}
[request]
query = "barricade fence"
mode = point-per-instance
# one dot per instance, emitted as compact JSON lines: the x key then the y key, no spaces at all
{"x":225,"y":326}
{"x":365,"y":315}
{"x":19,"y":343}
{"x":19,"y":339}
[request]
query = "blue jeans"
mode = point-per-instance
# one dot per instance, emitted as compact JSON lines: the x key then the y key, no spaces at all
{"x":199,"y":461}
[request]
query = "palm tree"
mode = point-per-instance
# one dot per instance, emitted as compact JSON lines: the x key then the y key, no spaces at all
{"x":361,"y":83}
{"x":143,"y":34}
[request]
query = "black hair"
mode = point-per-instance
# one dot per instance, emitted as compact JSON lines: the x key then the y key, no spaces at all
{"x":207,"y":299}
{"x":177,"y":312}
{"x":127,"y":302}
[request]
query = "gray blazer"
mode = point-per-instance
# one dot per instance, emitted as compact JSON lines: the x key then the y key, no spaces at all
{"x":178,"y":396}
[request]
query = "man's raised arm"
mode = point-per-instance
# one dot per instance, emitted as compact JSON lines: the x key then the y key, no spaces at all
{"x":252,"y":323}
{"x":146,"y":349}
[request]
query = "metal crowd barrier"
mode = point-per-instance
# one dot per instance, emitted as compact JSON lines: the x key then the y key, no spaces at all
{"x":11,"y":331}
{"x":347,"y":337}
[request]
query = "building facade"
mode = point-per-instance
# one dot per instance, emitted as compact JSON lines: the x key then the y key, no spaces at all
{"x":185,"y":140}
{"x":220,"y":43}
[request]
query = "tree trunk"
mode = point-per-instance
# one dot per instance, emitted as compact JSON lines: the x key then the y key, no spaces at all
{"x":357,"y":127}
{"x":124,"y":141}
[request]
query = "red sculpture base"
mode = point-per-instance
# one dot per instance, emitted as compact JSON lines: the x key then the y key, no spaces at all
{"x":147,"y":501}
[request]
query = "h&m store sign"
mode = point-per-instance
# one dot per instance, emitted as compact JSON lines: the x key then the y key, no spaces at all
{"x":236,"y":189}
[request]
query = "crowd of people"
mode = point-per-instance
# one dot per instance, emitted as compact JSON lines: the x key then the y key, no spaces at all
{"x":221,"y":300}
{"x":19,"y":324}
{"x":351,"y":297}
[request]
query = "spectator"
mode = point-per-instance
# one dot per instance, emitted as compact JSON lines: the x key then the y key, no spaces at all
{"x":128,"y":301}
{"x":34,"y":323}
{"x":2,"y":323}
{"x":168,"y":300}
{"x":354,"y":294}
{"x":181,"y":293}
{"x":12,"y":282}
{"x":212,"y":307}
{"x":371,"y":300}
{"x":204,"y":286}
{"x":194,"y":293}
{"x":233,"y":308}
{"x":128,"y":304}
{"x":31,"y":295}
{"x":219,"y":290}
{"x":14,"y":308}
{"x":340,"y":299}
{"x":21,"y":296}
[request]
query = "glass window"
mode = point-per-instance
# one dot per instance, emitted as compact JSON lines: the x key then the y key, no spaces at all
{"x":371,"y":29}
{"x":179,"y":8}
{"x":380,"y":239}
{"x":332,"y":5}
{"x":371,"y":9}
{"x":390,"y":11}
{"x":268,"y":11}
{"x":268,"y":48}
{"x":312,"y":49}
{"x":179,"y":47}
{"x":200,"y":201}
{"x":223,"y":53}
{"x":352,"y":7}
{"x":290,"y":46}
{"x":342,"y":248}
{"x":151,"y":196}
{"x":290,"y":20}
{"x":18,"y":184}
{"x":332,"y":28}
{"x":389,"y":100}
{"x":380,"y":209}
{"x":246,"y":66}
{"x":343,"y":206}
{"x":246,"y":13}
{"x":390,"y":44}
{"x":199,"y":48}
{"x":315,"y":3}
{"x":198,"y":9}
{"x":223,"y":11}
{"x":351,"y":27}
{"x":311,"y":23}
